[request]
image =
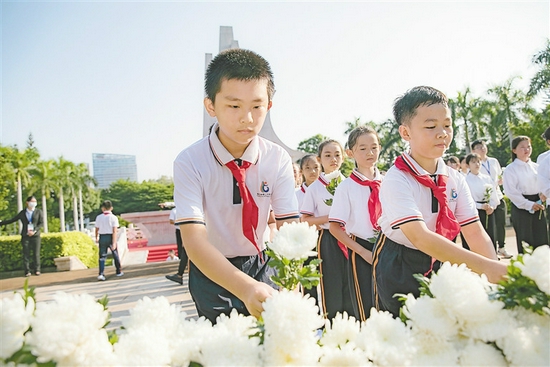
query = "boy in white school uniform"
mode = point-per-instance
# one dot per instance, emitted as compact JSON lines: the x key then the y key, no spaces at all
{"x":424,"y":206}
{"x":106,"y":228}
{"x":222,"y":221}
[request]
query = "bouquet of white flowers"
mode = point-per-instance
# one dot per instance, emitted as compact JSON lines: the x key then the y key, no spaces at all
{"x":458,"y":319}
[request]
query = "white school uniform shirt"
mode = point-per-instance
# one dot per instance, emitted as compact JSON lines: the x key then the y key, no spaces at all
{"x":477,"y":184}
{"x":404,"y":200}
{"x":350,"y":206}
{"x":520,"y":178}
{"x":106,"y":222}
{"x":314,"y":201}
{"x":173,"y":216}
{"x":543,"y":178}
{"x":300,"y":194}
{"x":543,"y":155}
{"x":203,"y":191}
{"x":492,"y":167}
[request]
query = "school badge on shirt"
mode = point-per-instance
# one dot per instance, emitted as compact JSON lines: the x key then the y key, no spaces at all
{"x":264,"y":190}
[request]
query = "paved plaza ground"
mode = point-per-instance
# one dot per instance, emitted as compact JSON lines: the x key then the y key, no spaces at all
{"x":144,"y":280}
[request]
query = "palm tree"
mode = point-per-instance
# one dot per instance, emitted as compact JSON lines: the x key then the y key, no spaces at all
{"x":83,"y":184}
{"x":466,"y":109}
{"x":44,"y":182}
{"x":541,"y":80}
{"x":22,"y":164}
{"x":63,"y":169}
{"x":509,"y":104}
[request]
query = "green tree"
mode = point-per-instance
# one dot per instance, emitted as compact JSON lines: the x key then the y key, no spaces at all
{"x":392,"y":143}
{"x":540,"y":83}
{"x":62,"y":179}
{"x":43,"y":182}
{"x":128,"y":197}
{"x":311,"y":145}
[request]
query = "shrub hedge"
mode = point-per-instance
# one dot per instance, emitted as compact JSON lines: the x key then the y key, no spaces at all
{"x":53,"y":245}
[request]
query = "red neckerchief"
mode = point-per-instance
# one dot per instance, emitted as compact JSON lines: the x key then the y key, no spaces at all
{"x":303,"y":188}
{"x":249,"y":208}
{"x":446,"y":224}
{"x":343,"y":247}
{"x":375,"y":208}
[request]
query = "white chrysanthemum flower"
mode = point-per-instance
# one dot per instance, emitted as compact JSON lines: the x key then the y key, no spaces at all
{"x":295,"y":241}
{"x":537,"y":267}
{"x":230,"y":344}
{"x":146,"y":345}
{"x":497,"y":323}
{"x":346,"y":355}
{"x":290,"y":322}
{"x":430,"y":316}
{"x":341,"y":330}
{"x":194,"y":334}
{"x":527,"y":346}
{"x":15,"y":320}
{"x":386,"y":341}
{"x":334,"y":174}
{"x":157,"y":317}
{"x":69,"y":330}
{"x":477,"y":353}
{"x":462,"y":293}
{"x":430,"y":351}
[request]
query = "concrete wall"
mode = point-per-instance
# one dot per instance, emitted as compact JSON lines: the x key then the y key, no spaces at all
{"x":154,"y":225}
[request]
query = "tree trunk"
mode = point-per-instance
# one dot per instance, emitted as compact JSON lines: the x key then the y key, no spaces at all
{"x":75,"y":213}
{"x":81,"y":210}
{"x":61,"y":212}
{"x":19,"y":200}
{"x":45,"y":211}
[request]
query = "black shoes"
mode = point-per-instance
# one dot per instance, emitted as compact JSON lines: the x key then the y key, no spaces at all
{"x":175,"y":278}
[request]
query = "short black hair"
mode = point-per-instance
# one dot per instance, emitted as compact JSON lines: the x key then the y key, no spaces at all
{"x":107,"y":204}
{"x":30,"y":198}
{"x":470,"y":157}
{"x":240,"y":64}
{"x":516,"y":142}
{"x":476,"y":143}
{"x":404,"y":107}
{"x":546,"y":134}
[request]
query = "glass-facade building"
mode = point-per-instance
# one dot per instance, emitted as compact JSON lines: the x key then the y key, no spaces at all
{"x":109,"y":168}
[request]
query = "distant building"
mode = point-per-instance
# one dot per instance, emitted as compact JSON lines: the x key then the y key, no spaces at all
{"x":109,"y":168}
{"x":267,"y":131}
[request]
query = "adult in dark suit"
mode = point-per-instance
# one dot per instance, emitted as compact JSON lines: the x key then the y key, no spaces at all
{"x":32,"y":220}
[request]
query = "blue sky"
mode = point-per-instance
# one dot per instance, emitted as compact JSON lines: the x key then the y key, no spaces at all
{"x":127,"y":77}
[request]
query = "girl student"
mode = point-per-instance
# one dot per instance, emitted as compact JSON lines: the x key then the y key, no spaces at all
{"x":356,"y":208}
{"x":520,"y":185}
{"x":335,"y":292}
{"x":310,"y":169}
{"x":484,"y":192}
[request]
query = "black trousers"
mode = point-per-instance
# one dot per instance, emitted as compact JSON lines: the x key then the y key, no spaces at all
{"x":31,"y":244}
{"x":360,"y":278}
{"x":212,"y":300}
{"x":182,"y":254}
{"x":500,"y":223}
{"x":335,"y":286}
{"x":529,"y":228}
{"x":393,"y":268}
{"x":488,"y":223}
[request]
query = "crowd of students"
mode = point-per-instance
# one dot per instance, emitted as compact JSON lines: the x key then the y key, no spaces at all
{"x":375,"y":231}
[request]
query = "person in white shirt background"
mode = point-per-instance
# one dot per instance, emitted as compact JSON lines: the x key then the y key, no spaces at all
{"x":491,"y":166}
{"x":521,"y":187}
{"x":543,"y":160}
{"x":484,"y":193}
